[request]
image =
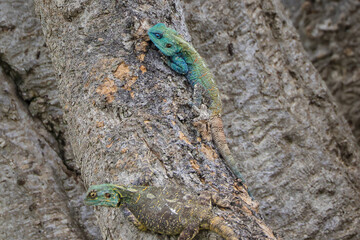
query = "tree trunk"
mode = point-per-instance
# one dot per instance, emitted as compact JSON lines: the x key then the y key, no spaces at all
{"x":126,"y":110}
{"x":41,"y":196}
{"x":23,"y":48}
{"x":330,"y":33}
{"x":300,"y":157}
{"x":38,"y":191}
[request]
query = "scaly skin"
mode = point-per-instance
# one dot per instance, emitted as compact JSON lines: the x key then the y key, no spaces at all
{"x":184,"y":59}
{"x":165,"y":210}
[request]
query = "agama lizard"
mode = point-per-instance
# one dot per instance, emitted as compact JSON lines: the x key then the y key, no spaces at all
{"x":164,"y":210}
{"x":184,"y":59}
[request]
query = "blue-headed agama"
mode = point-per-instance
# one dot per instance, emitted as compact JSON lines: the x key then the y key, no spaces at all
{"x":184,"y":59}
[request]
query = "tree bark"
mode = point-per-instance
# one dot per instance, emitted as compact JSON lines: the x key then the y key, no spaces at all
{"x":330,"y":33}
{"x":23,"y":48}
{"x":41,"y":196}
{"x":299,"y":155}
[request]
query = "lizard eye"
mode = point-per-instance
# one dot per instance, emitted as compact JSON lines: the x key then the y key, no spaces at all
{"x":158,"y":35}
{"x":107,"y":195}
{"x":168,"y":45}
{"x":92,"y":194}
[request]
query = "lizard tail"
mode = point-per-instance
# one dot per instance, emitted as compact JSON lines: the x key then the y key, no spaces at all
{"x":218,"y":135}
{"x":217,"y":224}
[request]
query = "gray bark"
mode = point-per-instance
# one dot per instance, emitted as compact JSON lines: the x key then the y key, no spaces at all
{"x":41,"y":197}
{"x":330,"y":33}
{"x":23,"y":48}
{"x":299,"y":155}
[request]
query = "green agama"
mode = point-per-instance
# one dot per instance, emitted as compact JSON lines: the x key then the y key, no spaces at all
{"x":165,"y":210}
{"x":184,"y":59}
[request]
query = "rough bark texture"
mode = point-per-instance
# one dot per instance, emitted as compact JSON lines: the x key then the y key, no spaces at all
{"x":126,"y":109}
{"x":297,"y":152}
{"x":330,"y":33}
{"x":23,"y":48}
{"x":41,"y":197}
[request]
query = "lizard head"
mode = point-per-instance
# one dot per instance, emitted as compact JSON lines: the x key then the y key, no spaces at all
{"x":103,"y":195}
{"x":164,"y":39}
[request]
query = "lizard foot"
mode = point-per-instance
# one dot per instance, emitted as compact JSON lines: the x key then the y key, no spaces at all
{"x":202,"y":113}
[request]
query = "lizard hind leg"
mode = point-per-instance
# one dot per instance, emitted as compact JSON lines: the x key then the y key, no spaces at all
{"x":189,"y":231}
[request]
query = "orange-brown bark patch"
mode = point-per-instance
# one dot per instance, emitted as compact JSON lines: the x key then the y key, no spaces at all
{"x":209,"y":152}
{"x":109,"y":145}
{"x":141,"y":57}
{"x":99,"y":124}
{"x":183,"y":137}
{"x":122,"y":71}
{"x":142,"y":46}
{"x":147,"y":124}
{"x":194,"y":164}
{"x":143,"y":69}
{"x":129,"y":83}
{"x":108,"y":88}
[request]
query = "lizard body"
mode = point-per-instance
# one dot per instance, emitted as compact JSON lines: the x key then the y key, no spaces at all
{"x":165,"y":210}
{"x":184,"y":59}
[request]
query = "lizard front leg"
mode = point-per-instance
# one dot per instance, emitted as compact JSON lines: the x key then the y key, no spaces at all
{"x":197,"y":105}
{"x":177,"y":64}
{"x":201,"y":122}
{"x":131,"y":217}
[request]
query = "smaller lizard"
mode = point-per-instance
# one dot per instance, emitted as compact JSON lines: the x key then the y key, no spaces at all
{"x":184,"y":59}
{"x":165,"y":210}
